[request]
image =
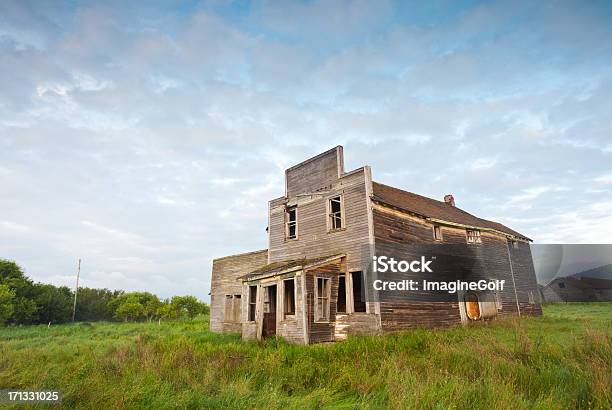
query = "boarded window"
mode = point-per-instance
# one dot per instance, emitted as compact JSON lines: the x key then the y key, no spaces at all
{"x":289,"y":297}
{"x":291,"y":222}
{"x":237,"y":308}
{"x":358,"y":292}
{"x":437,"y":231}
{"x":341,"y":305}
{"x":227,"y":316}
{"x":498,"y":301}
{"x":252,"y":302}
{"x":322,"y":299}
{"x":473,"y":236}
{"x":561,"y":285}
{"x":335,"y":213}
{"x":232,"y":308}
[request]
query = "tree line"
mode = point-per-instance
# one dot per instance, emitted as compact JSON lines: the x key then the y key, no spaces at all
{"x":23,"y":302}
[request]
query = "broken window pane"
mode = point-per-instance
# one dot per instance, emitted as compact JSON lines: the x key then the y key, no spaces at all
{"x":291,"y":222}
{"x":335,"y":208}
{"x":437,"y":233}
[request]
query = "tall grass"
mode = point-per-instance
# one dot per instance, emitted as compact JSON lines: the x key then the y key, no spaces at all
{"x":561,"y":360}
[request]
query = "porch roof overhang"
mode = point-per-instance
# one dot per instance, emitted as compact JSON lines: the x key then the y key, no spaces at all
{"x":288,"y":266}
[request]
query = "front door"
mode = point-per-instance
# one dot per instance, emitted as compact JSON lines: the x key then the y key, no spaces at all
{"x":269,"y":316}
{"x":472,"y":307}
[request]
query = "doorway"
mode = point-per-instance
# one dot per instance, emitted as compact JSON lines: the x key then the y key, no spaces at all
{"x":269,"y":315}
{"x":472,"y":306}
{"x":341,"y":303}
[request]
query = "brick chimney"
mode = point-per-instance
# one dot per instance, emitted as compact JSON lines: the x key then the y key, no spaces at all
{"x":449,"y":199}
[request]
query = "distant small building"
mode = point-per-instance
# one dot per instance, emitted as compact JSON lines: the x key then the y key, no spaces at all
{"x":578,"y":289}
{"x":308,"y":286}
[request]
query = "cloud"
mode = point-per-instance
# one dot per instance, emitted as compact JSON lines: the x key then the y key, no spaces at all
{"x":147,"y":140}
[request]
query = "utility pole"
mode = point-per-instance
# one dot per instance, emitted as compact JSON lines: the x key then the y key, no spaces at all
{"x":76,"y":290}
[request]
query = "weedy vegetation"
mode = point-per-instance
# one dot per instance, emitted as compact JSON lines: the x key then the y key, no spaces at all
{"x":561,"y":360}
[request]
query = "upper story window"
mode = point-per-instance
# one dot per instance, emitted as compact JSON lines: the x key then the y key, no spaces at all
{"x":437,"y":232}
{"x":473,"y":236}
{"x":291,"y":222}
{"x":336,"y":220}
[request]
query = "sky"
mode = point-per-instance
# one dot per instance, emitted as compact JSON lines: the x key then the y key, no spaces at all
{"x":146,"y":138}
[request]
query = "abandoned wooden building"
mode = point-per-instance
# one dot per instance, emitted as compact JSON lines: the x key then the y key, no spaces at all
{"x":307,"y":286}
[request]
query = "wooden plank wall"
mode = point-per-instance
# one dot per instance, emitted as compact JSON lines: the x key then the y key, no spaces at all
{"x":224,"y":282}
{"x":394,"y":227}
{"x":526,"y":282}
{"x":291,"y":327}
{"x":355,"y":324}
{"x":314,"y":240}
{"x":406,"y":315}
{"x":314,"y":174}
{"x":249,"y":331}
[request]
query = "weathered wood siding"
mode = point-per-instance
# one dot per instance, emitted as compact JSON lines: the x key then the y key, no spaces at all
{"x":355,"y":324}
{"x":395,"y":227}
{"x":291,"y":327}
{"x":526,"y":282}
{"x":313,"y":236}
{"x":315,"y":173}
{"x":407,"y":314}
{"x":224,"y":282}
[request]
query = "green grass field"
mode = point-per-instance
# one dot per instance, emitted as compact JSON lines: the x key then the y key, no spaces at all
{"x":561,"y":360}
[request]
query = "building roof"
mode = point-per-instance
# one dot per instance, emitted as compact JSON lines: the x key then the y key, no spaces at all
{"x":597,"y":283}
{"x":433,"y":209}
{"x":568,"y":281}
{"x":583,"y":282}
{"x":275,"y":268}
